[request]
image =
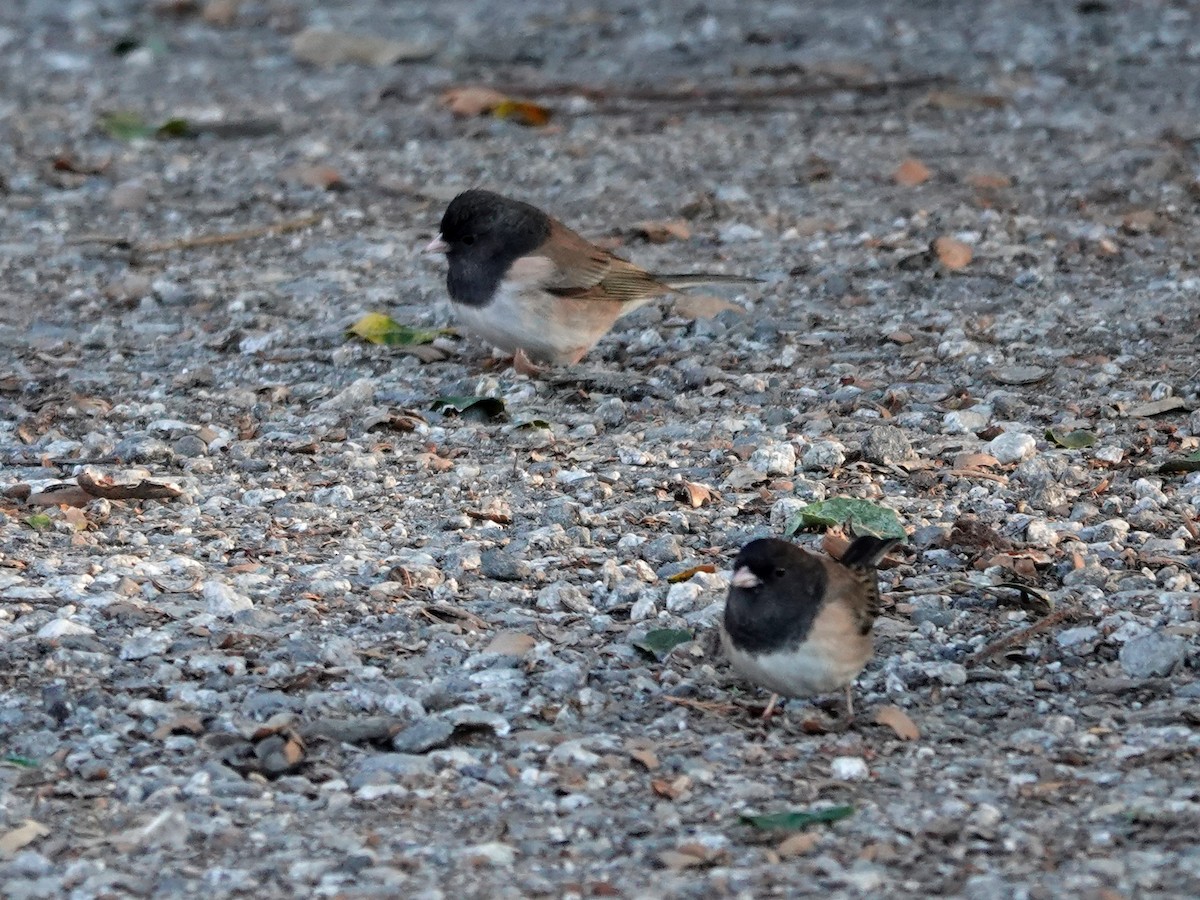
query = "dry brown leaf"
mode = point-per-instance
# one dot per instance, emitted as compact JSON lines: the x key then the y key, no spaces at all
{"x":899,"y":721}
{"x":523,"y":112}
{"x":798,"y":844}
{"x":672,"y":790}
{"x":435,"y":462}
{"x":964,"y":100}
{"x":975,"y":461}
{"x":900,"y":337}
{"x":688,"y":573}
{"x":325,"y":178}
{"x":476,"y":100}
{"x":989,"y":181}
{"x":953,"y":253}
{"x":142,"y":490}
{"x":76,"y":518}
{"x":21,"y":836}
{"x":911,"y":172}
{"x":645,"y":756}
{"x":659,"y":232}
{"x":835,"y":542}
{"x":703,"y":306}
{"x":511,"y":643}
{"x":694,"y":494}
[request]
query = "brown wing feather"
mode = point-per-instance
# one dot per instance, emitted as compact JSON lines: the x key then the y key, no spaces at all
{"x":857,"y":589}
{"x":585,"y":272}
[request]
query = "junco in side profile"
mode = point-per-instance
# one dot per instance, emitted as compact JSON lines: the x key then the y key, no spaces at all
{"x":799,"y":623}
{"x":531,"y":286}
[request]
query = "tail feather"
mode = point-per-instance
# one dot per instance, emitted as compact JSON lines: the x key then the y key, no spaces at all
{"x":695,"y":279}
{"x":866,"y":551}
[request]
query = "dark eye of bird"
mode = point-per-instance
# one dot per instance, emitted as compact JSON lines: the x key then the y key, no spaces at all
{"x":468,"y":239}
{"x":780,"y":572}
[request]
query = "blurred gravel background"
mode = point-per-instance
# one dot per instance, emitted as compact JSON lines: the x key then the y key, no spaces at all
{"x":376,"y":650}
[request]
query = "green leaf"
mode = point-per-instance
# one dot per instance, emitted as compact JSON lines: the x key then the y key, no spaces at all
{"x":795,"y":821}
{"x":1072,"y":440}
{"x":661,"y":641}
{"x":862,"y":516}
{"x":1181,"y":464}
{"x":126,"y":126}
{"x":130,"y":126}
{"x":478,"y":408}
{"x":39,"y":521}
{"x":23,"y":762}
{"x":174,"y":128}
{"x":380,"y":329}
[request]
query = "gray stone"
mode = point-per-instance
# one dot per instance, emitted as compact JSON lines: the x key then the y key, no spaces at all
{"x":1153,"y":655}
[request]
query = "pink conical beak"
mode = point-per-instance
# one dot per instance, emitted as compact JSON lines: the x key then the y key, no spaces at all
{"x":437,"y":245}
{"x":744,"y":578}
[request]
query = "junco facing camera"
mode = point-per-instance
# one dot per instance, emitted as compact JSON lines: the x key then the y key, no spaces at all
{"x":532,"y":287}
{"x":799,"y":623}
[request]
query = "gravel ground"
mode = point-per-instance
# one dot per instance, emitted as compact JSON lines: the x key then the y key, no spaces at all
{"x":371,"y":649}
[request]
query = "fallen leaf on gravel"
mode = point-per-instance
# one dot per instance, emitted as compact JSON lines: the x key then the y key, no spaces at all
{"x":659,"y":232}
{"x":477,"y":408}
{"x":953,"y":253}
{"x":975,"y":461}
{"x":511,"y":643}
{"x":1023,"y":562}
{"x":661,"y":641}
{"x":475,"y":100}
{"x":1181,"y":464}
{"x":21,"y":836}
{"x":672,"y":790}
{"x":964,"y":100}
{"x":911,"y":172}
{"x":862,"y":516}
{"x":21,"y":762}
{"x":39,"y":521}
{"x":703,"y":306}
{"x":75,"y":517}
{"x":835,"y":542}
{"x":471,"y":101}
{"x":694,"y":494}
{"x":1156,"y":407}
{"x":325,"y":47}
{"x":378,"y":328}
{"x":688,"y":573}
{"x":639,"y":750}
{"x":60,"y":495}
{"x":435,"y":462}
{"x":1072,"y":440}
{"x":325,"y":178}
{"x":523,"y":112}
{"x":798,"y":844}
{"x":989,"y":180}
{"x":141,"y":490}
{"x":678,"y":859}
{"x":129,"y":126}
{"x":794,"y":821}
{"x":898,"y":720}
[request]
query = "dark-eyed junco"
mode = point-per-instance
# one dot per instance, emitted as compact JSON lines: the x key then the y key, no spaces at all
{"x":532,"y":287}
{"x":799,"y":623}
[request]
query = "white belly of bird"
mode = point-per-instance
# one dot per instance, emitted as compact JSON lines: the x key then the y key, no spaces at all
{"x":529,"y":320}
{"x":813,"y":668}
